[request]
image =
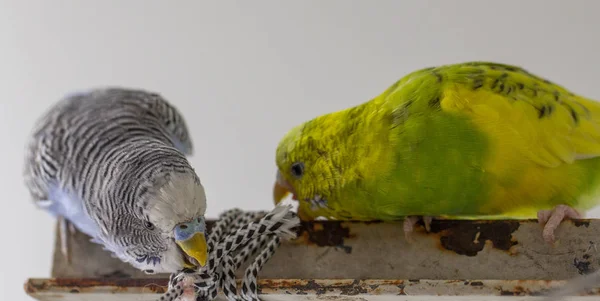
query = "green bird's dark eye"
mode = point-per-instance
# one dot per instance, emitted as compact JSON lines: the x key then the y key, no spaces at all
{"x":297,"y":169}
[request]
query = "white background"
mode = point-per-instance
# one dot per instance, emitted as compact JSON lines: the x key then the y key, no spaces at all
{"x":245,"y":72}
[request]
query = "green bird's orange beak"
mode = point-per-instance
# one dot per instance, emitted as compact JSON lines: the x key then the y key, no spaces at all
{"x":281,"y":189}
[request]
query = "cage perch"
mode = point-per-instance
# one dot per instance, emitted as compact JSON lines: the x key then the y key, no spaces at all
{"x":470,"y":260}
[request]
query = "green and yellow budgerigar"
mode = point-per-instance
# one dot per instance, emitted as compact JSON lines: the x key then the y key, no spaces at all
{"x":465,"y":141}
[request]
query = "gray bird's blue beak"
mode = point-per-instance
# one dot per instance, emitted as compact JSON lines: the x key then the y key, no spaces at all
{"x":190,"y":238}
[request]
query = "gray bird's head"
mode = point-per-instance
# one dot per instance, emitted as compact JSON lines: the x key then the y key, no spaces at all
{"x":166,"y":230}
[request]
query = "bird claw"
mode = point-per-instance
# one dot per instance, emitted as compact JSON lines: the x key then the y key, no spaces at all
{"x":317,"y":202}
{"x":551,"y":219}
{"x":409,"y":225}
{"x":427,"y":221}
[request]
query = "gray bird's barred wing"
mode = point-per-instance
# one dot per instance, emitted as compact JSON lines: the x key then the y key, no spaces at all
{"x":170,"y":117}
{"x":71,"y":136}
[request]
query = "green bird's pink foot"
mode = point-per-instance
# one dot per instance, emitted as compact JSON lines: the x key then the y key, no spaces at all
{"x":411,"y":221}
{"x":552,"y":218}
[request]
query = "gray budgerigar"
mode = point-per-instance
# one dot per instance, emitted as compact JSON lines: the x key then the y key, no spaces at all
{"x":112,"y":163}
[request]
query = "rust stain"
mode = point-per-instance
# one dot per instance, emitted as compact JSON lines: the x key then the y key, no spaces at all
{"x":401,"y":287}
{"x":320,"y":288}
{"x":372,"y":222}
{"x":30,"y":288}
{"x":353,"y":289}
{"x":455,"y":281}
{"x":158,"y":286}
{"x":529,"y":288}
{"x":581,"y":222}
{"x":522,"y":291}
{"x":391,"y":282}
{"x":459,"y":236}
{"x":340,"y":298}
{"x":298,"y":286}
{"x":507,"y":293}
{"x":312,"y":285}
{"x":301,"y":287}
{"x":325,"y":233}
{"x":583,"y":266}
{"x":318,"y":227}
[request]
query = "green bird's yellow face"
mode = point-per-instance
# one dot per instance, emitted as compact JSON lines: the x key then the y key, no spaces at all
{"x":327,"y":158}
{"x":306,"y":165}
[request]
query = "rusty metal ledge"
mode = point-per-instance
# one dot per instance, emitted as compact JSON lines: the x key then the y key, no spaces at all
{"x":294,"y":289}
{"x":503,"y":250}
{"x":495,"y":252}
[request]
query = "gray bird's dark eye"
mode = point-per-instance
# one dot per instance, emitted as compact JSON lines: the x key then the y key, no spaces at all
{"x":149,"y":225}
{"x":297,"y":169}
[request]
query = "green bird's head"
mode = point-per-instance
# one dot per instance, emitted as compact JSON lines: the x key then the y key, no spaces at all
{"x":309,"y":161}
{"x":329,"y":157}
